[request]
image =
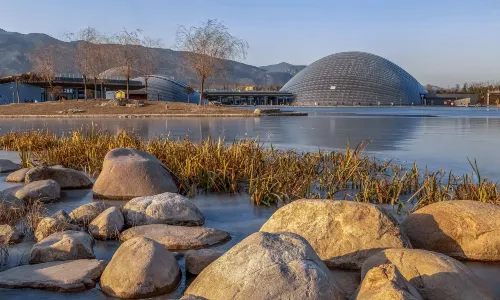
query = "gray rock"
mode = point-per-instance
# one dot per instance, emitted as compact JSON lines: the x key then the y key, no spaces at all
{"x":178,"y":237}
{"x":343,"y":233}
{"x":49,"y":225}
{"x":7,"y":166}
{"x":434,"y":275}
{"x":66,"y":245}
{"x":45,"y":191}
{"x":17,"y":176}
{"x":140,"y":268}
{"x":385,"y":283}
{"x":197,"y":260}
{"x":59,"y":276}
{"x":86,"y":213}
{"x":267,"y":266}
{"x":62,"y":215}
{"x":108,"y":224}
{"x":166,"y":208}
{"x":129,"y":173}
{"x":67,"y":178}
{"x":10,"y":235}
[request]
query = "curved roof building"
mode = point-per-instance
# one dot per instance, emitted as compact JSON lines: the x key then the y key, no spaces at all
{"x":354,"y":78}
{"x":165,"y":88}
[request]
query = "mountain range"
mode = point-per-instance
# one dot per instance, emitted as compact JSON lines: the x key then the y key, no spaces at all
{"x":16,"y":47}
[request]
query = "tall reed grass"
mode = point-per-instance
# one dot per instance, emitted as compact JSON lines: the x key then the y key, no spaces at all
{"x":268,"y":174}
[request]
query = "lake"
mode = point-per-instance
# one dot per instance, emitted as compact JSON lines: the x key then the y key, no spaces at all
{"x":437,"y":137}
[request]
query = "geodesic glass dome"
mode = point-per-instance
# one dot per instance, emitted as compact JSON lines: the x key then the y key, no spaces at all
{"x":354,"y":78}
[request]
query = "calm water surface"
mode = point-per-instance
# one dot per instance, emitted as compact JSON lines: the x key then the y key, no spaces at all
{"x":434,"y":137}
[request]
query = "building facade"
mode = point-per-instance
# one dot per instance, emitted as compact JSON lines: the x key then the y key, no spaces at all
{"x":165,"y":88}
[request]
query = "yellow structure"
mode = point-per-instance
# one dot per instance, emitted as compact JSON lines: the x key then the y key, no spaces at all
{"x":120,"y":95}
{"x":249,"y":88}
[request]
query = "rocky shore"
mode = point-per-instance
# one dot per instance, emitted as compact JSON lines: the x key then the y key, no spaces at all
{"x":308,"y":249}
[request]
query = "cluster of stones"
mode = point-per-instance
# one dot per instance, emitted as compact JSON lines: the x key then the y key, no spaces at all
{"x":299,"y":253}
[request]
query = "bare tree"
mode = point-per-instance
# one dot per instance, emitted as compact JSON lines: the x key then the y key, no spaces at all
{"x":47,"y":61}
{"x":207,"y":48}
{"x":149,"y":57}
{"x":189,"y":91}
{"x":128,"y":54}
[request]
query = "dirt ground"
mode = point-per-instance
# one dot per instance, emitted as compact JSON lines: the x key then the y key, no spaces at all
{"x":93,"y":107}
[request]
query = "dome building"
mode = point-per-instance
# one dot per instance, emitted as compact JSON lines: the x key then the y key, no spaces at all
{"x":354,"y":78}
{"x":166,"y":88}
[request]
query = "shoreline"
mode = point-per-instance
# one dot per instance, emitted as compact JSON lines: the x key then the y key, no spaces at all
{"x":133,"y":116}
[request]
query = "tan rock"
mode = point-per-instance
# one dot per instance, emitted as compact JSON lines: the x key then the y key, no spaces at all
{"x":66,"y":245}
{"x":434,"y":275}
{"x":197,"y":260}
{"x":461,"y":229}
{"x":385,"y":283}
{"x":59,"y":276}
{"x":129,"y":173}
{"x":178,"y":237}
{"x":49,"y":225}
{"x":343,"y":233}
{"x":86,"y":213}
{"x":140,"y":268}
{"x":10,"y":235}
{"x":67,"y":178}
{"x":17,"y":176}
{"x":166,"y":208}
{"x":7,"y":166}
{"x":108,"y":224}
{"x":45,"y":191}
{"x":267,"y":266}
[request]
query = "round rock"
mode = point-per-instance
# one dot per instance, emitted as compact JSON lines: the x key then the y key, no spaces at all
{"x":67,"y":245}
{"x":67,"y":178}
{"x":17,"y":176}
{"x":267,"y":266}
{"x":343,"y":233}
{"x":7,"y":166}
{"x":467,"y":230}
{"x":50,"y":225}
{"x":129,"y":173}
{"x":178,"y":237}
{"x":86,"y":213}
{"x":45,"y":191}
{"x":435,"y":275}
{"x":197,"y":260}
{"x":166,"y":208}
{"x":108,"y":224}
{"x":140,"y":268}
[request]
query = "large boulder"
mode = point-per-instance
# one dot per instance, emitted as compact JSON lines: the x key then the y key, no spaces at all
{"x":50,"y":225}
{"x":435,"y":276}
{"x":17,"y":176}
{"x":197,"y":260}
{"x":10,"y":235}
{"x":267,"y":266}
{"x":45,"y":191}
{"x":7,"y":166}
{"x":166,"y":208}
{"x":178,"y":237}
{"x":67,"y":178}
{"x":60,"y":276}
{"x":66,"y":245}
{"x":86,"y":213}
{"x":343,"y":233}
{"x":108,"y":224}
{"x":140,"y":268}
{"x":461,"y":229}
{"x":129,"y":173}
{"x":385,"y":283}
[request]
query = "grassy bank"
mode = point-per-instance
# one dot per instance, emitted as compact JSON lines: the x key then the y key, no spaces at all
{"x":268,"y":174}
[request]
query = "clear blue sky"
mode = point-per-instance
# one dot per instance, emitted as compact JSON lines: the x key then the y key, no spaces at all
{"x":441,"y":42}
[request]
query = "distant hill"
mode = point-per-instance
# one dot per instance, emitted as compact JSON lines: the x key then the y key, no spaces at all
{"x":284,"y":68}
{"x":15,"y":48}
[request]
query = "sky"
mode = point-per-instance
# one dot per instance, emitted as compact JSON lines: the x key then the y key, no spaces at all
{"x":440,"y":42}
